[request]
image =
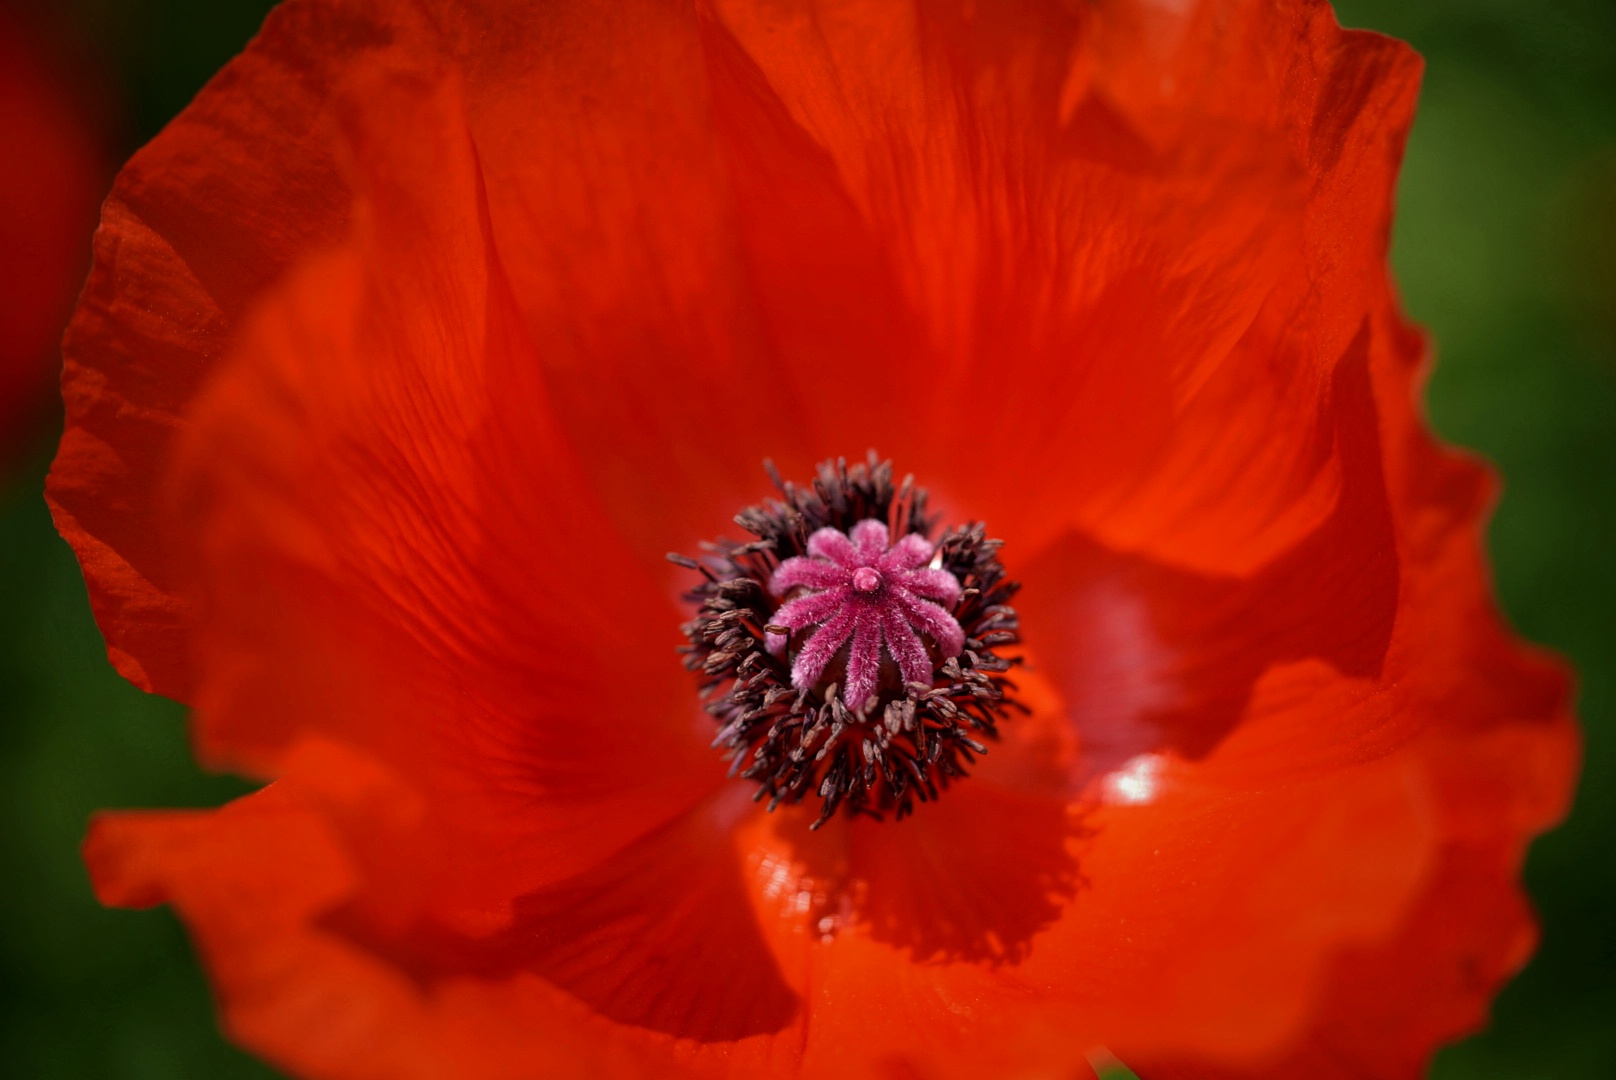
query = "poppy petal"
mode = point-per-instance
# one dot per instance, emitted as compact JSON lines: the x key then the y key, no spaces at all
{"x":414,"y":571}
{"x":1386,"y":1007}
{"x":198,"y":223}
{"x":597,"y":262}
{"x":610,"y":198}
{"x":1155,"y":385}
{"x":720,"y":115}
{"x":688,"y":963}
{"x":1438,"y":754}
{"x":255,"y":880}
{"x":1152,"y":658}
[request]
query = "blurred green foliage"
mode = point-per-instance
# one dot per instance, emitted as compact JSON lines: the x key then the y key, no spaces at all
{"x":1505,"y":247}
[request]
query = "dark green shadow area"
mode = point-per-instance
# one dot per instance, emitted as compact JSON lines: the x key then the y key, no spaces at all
{"x":1505,"y":248}
{"x":85,"y":992}
{"x":159,"y":53}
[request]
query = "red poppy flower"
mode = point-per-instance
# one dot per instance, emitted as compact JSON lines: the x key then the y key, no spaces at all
{"x":415,"y":343}
{"x":51,"y":179}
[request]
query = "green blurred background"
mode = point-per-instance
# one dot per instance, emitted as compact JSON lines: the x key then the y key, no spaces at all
{"x":1505,"y":248}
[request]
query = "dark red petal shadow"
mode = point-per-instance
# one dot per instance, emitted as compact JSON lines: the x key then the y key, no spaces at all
{"x":1153,"y":659}
{"x":662,"y":936}
{"x":53,"y":175}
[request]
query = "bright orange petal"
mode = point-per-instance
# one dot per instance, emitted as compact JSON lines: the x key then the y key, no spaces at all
{"x":395,"y":551}
{"x":254,"y":880}
{"x":1150,"y":311}
{"x":577,"y":300}
{"x":613,"y":208}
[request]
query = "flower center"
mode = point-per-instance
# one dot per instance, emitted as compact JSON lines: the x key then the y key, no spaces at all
{"x":839,"y":586}
{"x":840,"y":662}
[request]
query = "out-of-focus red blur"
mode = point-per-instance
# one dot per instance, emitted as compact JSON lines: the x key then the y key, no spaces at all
{"x":54,"y":170}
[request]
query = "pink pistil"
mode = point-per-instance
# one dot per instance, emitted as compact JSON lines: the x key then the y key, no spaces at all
{"x":882,"y":598}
